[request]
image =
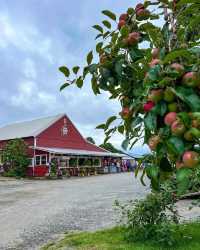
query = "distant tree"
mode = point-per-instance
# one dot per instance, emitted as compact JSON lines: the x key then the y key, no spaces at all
{"x":90,"y":139}
{"x":15,"y":155}
{"x":108,"y":146}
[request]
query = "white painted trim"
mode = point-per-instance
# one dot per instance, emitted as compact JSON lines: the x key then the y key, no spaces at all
{"x":41,"y":159}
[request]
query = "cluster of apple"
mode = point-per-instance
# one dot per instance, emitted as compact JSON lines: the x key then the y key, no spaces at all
{"x":190,"y":132}
{"x":141,"y":13}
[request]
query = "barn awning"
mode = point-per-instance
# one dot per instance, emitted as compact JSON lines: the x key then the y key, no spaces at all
{"x":80,"y":152}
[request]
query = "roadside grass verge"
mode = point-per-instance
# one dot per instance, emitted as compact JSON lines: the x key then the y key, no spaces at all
{"x":113,"y":239}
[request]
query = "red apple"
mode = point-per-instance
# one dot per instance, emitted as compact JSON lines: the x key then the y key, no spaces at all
{"x":154,"y":62}
{"x":177,"y":128}
{"x":190,"y":159}
{"x":155,"y":53}
{"x":133,"y":38}
{"x":121,"y":24}
{"x":139,"y":6}
{"x":126,"y":112}
{"x":123,"y":17}
{"x":170,"y":118}
{"x":148,"y":106}
{"x":191,"y":79}
{"x":142,"y":14}
{"x":177,"y":67}
{"x":155,"y":95}
{"x":153,"y":142}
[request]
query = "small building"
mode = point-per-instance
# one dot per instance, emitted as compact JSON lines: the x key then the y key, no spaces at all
{"x":56,"y":139}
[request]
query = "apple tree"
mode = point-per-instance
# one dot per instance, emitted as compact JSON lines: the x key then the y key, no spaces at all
{"x":149,"y":60}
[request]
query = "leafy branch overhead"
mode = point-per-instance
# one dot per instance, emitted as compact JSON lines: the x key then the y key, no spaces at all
{"x":154,"y":72}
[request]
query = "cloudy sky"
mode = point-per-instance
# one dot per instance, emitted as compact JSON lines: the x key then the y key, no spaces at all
{"x":38,"y":36}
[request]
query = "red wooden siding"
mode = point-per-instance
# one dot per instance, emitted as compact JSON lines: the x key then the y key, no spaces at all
{"x":52,"y":137}
{"x":39,"y":171}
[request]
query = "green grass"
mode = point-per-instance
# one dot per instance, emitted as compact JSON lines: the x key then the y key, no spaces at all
{"x":113,"y":239}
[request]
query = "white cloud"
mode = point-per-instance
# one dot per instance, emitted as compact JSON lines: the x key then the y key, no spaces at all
{"x":24,"y":37}
{"x":30,"y":98}
{"x":29,"y":68}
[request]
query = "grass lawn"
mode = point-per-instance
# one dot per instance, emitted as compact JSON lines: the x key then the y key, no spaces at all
{"x":113,"y":239}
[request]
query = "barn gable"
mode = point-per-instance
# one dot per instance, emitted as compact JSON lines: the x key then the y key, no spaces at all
{"x":63,"y":134}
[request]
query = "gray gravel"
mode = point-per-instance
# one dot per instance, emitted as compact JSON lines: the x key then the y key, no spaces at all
{"x":34,"y":212}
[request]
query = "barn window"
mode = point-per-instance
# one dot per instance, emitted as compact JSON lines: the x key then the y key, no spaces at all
{"x":41,"y":160}
{"x":44,"y":159}
{"x":37,"y":160}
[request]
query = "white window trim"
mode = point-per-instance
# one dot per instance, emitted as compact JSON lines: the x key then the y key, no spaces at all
{"x":41,"y":160}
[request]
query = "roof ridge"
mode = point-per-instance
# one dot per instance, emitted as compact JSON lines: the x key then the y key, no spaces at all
{"x":29,"y":128}
{"x":31,"y":120}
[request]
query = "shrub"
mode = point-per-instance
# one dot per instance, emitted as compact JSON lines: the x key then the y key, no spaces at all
{"x":151,"y":218}
{"x":15,"y":155}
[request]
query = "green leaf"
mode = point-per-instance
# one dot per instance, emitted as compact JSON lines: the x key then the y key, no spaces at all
{"x":98,"y":36}
{"x":64,"y":86}
{"x":153,"y":174}
{"x":131,"y":11}
{"x":79,"y":82}
{"x":150,"y":121}
{"x":142,"y":177}
{"x":175,"y":145}
{"x":189,"y":96}
{"x":114,"y":37}
{"x":89,"y":57}
{"x":160,"y":108}
{"x":101,"y":126}
{"x":99,"y":47}
{"x":107,"y":24}
{"x":109,"y":14}
{"x":65,"y":71}
{"x":176,"y":53}
{"x":181,"y":2}
{"x":119,"y":67}
{"x":106,"y":139}
{"x":125,"y":144}
{"x":75,"y":69}
{"x":98,"y":27}
{"x":92,"y":68}
{"x":109,"y":121}
{"x":154,"y":73}
{"x":124,"y":31}
{"x":136,"y":54}
{"x":183,"y":180}
{"x":121,"y":129}
{"x":95,"y":86}
{"x":185,"y":118}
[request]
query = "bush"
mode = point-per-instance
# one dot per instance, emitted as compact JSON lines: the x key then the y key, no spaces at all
{"x":15,"y":156}
{"x":151,"y":218}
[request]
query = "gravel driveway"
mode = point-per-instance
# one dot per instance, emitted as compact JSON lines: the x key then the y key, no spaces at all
{"x":33,"y":212}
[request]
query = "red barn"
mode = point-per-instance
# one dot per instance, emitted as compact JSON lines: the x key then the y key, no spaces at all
{"x":57,"y":138}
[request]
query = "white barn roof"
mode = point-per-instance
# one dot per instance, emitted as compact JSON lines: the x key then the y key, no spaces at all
{"x":27,"y":128}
